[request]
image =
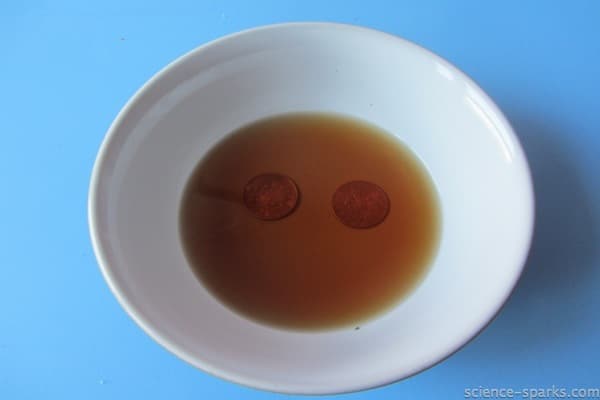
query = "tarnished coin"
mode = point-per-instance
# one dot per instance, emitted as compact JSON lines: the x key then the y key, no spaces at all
{"x":271,"y":196}
{"x":360,"y":204}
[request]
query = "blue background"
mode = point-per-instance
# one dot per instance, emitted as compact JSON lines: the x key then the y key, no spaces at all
{"x":67,"y":67}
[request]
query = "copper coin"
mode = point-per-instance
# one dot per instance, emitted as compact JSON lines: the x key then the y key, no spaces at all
{"x":271,"y":196}
{"x":360,"y":204}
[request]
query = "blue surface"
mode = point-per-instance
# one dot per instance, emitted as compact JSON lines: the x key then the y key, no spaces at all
{"x":67,"y":68}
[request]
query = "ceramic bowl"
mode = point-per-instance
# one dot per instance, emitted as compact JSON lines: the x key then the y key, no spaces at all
{"x":467,"y":145}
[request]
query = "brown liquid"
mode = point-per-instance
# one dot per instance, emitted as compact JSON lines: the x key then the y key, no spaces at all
{"x":308,"y":270}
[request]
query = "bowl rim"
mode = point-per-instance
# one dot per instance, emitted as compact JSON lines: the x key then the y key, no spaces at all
{"x":336,"y":387}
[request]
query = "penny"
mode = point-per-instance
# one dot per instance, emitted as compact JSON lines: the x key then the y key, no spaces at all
{"x":271,"y":196}
{"x":360,"y":204}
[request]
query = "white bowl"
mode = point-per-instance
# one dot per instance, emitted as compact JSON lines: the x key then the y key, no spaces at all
{"x":462,"y":138}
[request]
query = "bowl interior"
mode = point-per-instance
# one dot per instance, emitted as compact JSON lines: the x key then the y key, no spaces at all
{"x":469,"y":149}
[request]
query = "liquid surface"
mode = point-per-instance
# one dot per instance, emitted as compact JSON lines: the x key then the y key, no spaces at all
{"x":308,"y":270}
